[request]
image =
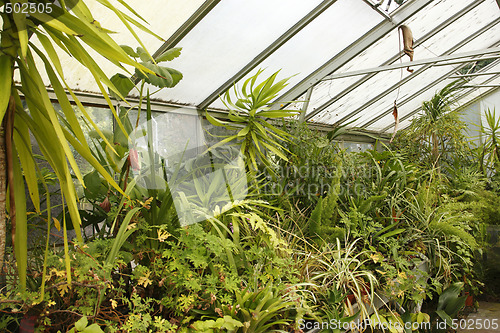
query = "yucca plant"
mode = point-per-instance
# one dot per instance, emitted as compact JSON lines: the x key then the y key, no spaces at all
{"x":490,"y":152}
{"x":66,"y":27}
{"x":248,"y":114}
{"x":438,"y":134}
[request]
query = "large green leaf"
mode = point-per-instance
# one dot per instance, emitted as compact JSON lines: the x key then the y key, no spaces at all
{"x":5,"y":83}
{"x":164,"y":77}
{"x":123,"y":83}
{"x":170,"y":54}
{"x":25,"y":153}
{"x":21,"y":222}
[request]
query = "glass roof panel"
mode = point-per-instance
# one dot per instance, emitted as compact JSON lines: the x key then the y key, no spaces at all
{"x":388,"y":46}
{"x":230,"y":36}
{"x":334,"y":30}
{"x":174,"y":14}
{"x":377,"y":89}
{"x":407,"y":97}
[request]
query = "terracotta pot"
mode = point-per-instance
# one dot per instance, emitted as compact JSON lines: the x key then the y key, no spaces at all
{"x":469,"y":301}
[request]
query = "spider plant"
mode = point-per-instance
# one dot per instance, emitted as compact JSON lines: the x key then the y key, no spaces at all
{"x":341,"y":268}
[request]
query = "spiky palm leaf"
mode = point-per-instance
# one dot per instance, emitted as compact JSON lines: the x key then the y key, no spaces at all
{"x":69,"y":31}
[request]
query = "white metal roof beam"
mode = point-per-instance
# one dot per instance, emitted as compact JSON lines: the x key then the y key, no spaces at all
{"x":400,"y":15}
{"x":414,"y":75}
{"x":436,"y":61}
{"x":297,"y":27}
{"x":410,"y":114}
{"x":395,"y":57}
{"x":473,"y":75}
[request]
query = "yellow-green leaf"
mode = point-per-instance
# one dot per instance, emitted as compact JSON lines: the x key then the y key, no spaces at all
{"x":21,"y":236}
{"x":57,"y":224}
{"x":23,"y":145}
{"x":5,"y":83}
{"x":22,"y":32}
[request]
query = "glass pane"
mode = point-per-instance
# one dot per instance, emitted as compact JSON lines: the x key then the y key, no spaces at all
{"x":229,"y":37}
{"x":163,"y":18}
{"x":330,"y":33}
{"x":387,"y":47}
{"x":376,"y":96}
{"x":173,"y":133}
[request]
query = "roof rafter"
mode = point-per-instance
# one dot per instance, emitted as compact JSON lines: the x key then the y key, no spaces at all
{"x":400,"y":15}
{"x":437,"y":61}
{"x":395,"y":57}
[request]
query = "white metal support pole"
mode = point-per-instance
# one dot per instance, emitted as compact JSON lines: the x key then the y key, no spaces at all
{"x":302,"y":116}
{"x":437,"y":61}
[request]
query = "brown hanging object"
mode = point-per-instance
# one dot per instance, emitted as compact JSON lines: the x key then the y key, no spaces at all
{"x":396,"y":120}
{"x":407,"y":43}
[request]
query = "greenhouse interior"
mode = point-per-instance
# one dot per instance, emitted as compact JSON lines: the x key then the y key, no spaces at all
{"x":249,"y":166}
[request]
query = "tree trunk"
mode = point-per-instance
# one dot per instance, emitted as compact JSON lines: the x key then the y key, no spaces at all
{"x":435,"y":149}
{"x":3,"y":194}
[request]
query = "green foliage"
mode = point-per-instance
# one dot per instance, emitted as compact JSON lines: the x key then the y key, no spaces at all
{"x":310,"y":169}
{"x":260,"y":310}
{"x":437,"y":137}
{"x":258,"y":139}
{"x":342,"y":269}
{"x":67,"y":29}
{"x":450,"y":303}
{"x":82,"y":326}
{"x":322,"y":222}
{"x":224,"y":324}
{"x":160,"y":76}
{"x":489,"y":153}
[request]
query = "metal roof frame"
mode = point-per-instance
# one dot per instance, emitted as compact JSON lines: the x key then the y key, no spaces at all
{"x":417,"y":72}
{"x":415,"y":111}
{"x":329,"y":70}
{"x":395,"y":57}
{"x":411,"y":97}
{"x":400,"y":15}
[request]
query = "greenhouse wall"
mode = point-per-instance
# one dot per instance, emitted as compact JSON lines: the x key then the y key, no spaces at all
{"x":474,"y":114}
